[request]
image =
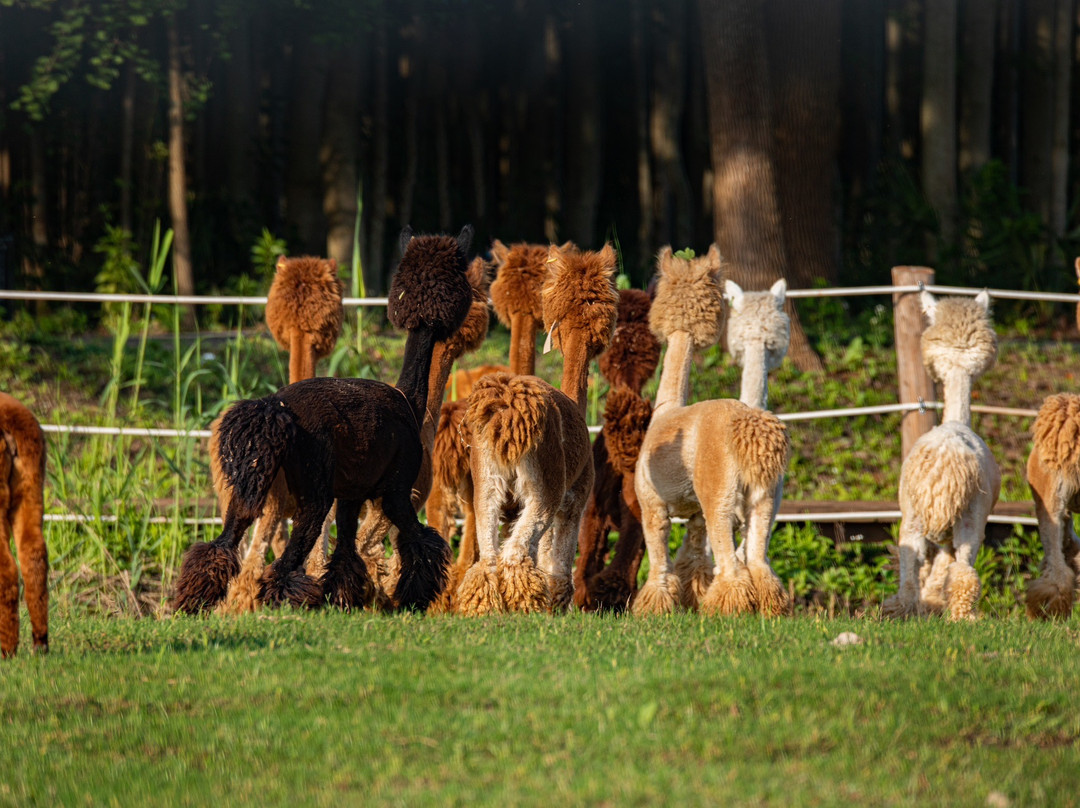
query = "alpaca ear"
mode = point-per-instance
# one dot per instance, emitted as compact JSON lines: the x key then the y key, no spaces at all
{"x":663,"y":258}
{"x":332,"y":263}
{"x":983,"y":299}
{"x":406,"y":237}
{"x":499,"y":251}
{"x":779,"y":291}
{"x":464,"y":239}
{"x":609,"y":258}
{"x":567,"y":245}
{"x":929,"y":305}
{"x":733,"y":293}
{"x":555,"y":254}
{"x":712,"y":258}
{"x":281,"y":260}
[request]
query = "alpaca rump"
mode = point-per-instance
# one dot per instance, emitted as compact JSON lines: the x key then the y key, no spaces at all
{"x":304,"y":311}
{"x":1057,"y":437}
{"x":940,"y":478}
{"x":510,"y":414}
{"x":22,"y":509}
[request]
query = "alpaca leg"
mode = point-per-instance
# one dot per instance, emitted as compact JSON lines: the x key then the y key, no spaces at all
{"x":478,"y":593}
{"x":932,"y":587}
{"x":208,"y":567}
{"x":613,"y":588}
{"x":425,"y":555}
{"x":732,"y":589}
{"x":243,"y":592}
{"x":523,"y":583}
{"x":315,"y":565}
{"x":564,"y":542}
{"x":285,"y":580}
{"x":9,"y":587}
{"x":660,"y":593}
{"x":962,"y":586}
{"x":371,"y":544}
{"x":769,"y":593}
{"x":345,"y":582}
{"x":1052,"y":593}
{"x":692,"y":563}
{"x":468,"y":552}
{"x":912,"y":545}
{"x":592,"y":552}
{"x":34,"y":563}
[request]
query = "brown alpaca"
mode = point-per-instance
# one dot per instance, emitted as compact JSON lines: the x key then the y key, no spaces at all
{"x":531,"y":442}
{"x":1053,"y":472}
{"x":627,"y":364}
{"x":22,"y":509}
{"x":715,"y":462}
{"x":517,"y":298}
{"x":304,"y":313}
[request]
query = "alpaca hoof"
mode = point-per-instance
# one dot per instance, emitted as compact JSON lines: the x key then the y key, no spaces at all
{"x":425,"y":564}
{"x":1050,"y":599}
{"x":346,"y":584}
{"x":901,"y":606}
{"x":204,"y":577}
{"x":446,"y":603}
{"x":769,"y":594}
{"x":659,"y":595}
{"x":478,"y":593}
{"x":963,"y":592}
{"x":523,"y":587}
{"x":696,"y":576}
{"x":295,"y":588}
{"x":729,"y":594}
{"x":41,"y":644}
{"x":609,"y":592}
{"x":243,"y":594}
{"x":562,"y":593}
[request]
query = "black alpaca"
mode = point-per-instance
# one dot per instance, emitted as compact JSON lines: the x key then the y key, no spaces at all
{"x":353,"y":440}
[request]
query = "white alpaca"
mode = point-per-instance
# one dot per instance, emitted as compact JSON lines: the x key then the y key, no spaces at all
{"x":949,"y":482}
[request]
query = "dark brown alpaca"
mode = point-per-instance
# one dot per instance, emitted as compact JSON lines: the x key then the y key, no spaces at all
{"x":22,"y":509}
{"x":517,"y":298}
{"x":531,"y":443}
{"x":353,"y":440}
{"x":627,"y":364}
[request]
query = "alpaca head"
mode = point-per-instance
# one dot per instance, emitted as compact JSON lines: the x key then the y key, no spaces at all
{"x":758,"y":319}
{"x":688,"y":297}
{"x":634,"y":352}
{"x":960,"y":335}
{"x":430,"y":288}
{"x":579,"y":297}
{"x":520,"y":273}
{"x":305,"y":296}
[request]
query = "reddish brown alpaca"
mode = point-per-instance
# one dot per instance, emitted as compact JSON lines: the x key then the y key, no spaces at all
{"x":627,"y":364}
{"x":22,"y":509}
{"x":530,"y":442}
{"x":516,"y":297}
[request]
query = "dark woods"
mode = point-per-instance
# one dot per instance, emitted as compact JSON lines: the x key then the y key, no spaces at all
{"x":824,"y":141}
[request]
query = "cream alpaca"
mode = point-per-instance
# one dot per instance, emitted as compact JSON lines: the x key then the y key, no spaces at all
{"x":949,"y":481}
{"x":712,"y":461}
{"x":530,"y":441}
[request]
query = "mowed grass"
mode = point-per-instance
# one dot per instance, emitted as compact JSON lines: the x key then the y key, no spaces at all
{"x":338,"y":709}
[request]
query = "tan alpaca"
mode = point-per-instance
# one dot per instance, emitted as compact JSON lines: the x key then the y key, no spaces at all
{"x":713,"y":462}
{"x":758,"y":334}
{"x":1053,"y":472}
{"x":949,"y":481}
{"x":531,"y":442}
{"x":304,"y":313}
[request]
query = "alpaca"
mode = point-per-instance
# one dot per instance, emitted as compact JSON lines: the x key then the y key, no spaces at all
{"x":713,"y":462}
{"x":949,"y":481}
{"x":627,"y":364}
{"x":531,"y":441}
{"x":22,"y":509}
{"x":758,"y":334}
{"x":461,"y":385}
{"x":517,"y":299}
{"x":353,"y":440}
{"x":304,"y":313}
{"x":1053,"y":472}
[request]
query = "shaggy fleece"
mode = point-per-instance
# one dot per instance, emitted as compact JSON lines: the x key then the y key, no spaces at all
{"x":632,"y":356}
{"x":520,"y":273}
{"x":689,"y":297}
{"x":626,"y":419}
{"x":305,"y":296}
{"x":1057,"y":435}
{"x":960,"y":335}
{"x":761,"y":445}
{"x":940,"y":477}
{"x":580,"y":299}
{"x":511,"y":412}
{"x":430,"y":287}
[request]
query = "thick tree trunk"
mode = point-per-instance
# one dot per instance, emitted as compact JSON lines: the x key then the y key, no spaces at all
{"x":303,"y":180}
{"x":938,"y":114}
{"x":341,"y":135}
{"x":979,"y":29}
{"x":178,"y":212}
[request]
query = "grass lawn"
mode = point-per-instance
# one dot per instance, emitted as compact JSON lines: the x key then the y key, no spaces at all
{"x":336,"y":709}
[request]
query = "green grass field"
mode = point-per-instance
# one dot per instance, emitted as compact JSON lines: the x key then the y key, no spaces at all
{"x":339,"y":709}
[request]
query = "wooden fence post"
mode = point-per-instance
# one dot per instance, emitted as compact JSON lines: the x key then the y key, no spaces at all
{"x":915,"y":382}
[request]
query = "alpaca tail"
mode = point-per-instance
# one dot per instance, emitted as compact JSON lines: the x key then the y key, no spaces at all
{"x":450,"y":456}
{"x":939,"y":479}
{"x":253,"y":438}
{"x":509,"y":413}
{"x":1057,"y":436}
{"x":626,"y":419}
{"x":761,"y":445}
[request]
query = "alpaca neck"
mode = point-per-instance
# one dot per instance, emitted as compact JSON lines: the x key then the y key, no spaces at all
{"x":522,"y":345}
{"x":413,"y":381}
{"x":957,"y":397}
{"x":674,"y":389}
{"x":575,"y":375}
{"x":442,"y":362}
{"x":755,"y":378}
{"x":301,"y":357}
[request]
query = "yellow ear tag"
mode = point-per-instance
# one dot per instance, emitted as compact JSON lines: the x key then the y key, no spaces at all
{"x":547,"y":342}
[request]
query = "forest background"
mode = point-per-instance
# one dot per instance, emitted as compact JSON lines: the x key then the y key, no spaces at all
{"x":824,"y":141}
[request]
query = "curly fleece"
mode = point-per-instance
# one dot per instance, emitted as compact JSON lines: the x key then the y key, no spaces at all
{"x":509,"y":412}
{"x":473,"y":331}
{"x":960,"y":336}
{"x":520,"y":273}
{"x":761,"y":445}
{"x":430,"y":287}
{"x":626,"y":418}
{"x":689,"y":297}
{"x":580,"y":296}
{"x":634,"y":352}
{"x":1057,"y":434}
{"x":306,"y":296}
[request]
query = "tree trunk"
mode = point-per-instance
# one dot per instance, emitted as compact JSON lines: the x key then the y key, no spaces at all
{"x":1059,"y":148}
{"x":746,"y":208}
{"x":373,"y":274}
{"x":303,"y":180}
{"x":1037,"y":106}
{"x":977,"y":83}
{"x":584,"y":129}
{"x":646,"y":235}
{"x":338,"y":155}
{"x":185,"y":280}
{"x":938,"y":115}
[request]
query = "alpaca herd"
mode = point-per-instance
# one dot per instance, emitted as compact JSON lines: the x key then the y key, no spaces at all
{"x":509,"y":455}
